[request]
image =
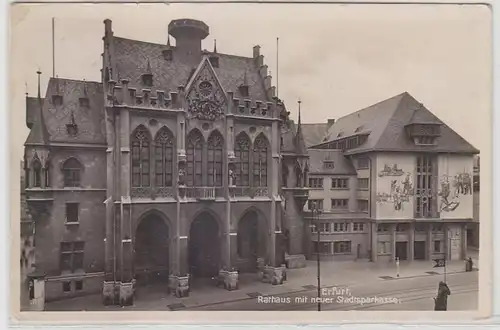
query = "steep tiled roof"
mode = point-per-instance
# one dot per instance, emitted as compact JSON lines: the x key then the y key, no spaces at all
{"x":288,"y":135}
{"x":90,"y":120}
{"x":132,"y":57}
{"x":341,"y":165}
{"x":385,"y":122}
{"x":31,"y":107}
{"x":314,"y":133}
{"x":373,"y":119}
{"x":38,"y":134}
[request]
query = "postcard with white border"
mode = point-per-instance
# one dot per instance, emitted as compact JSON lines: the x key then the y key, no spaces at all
{"x":186,"y":162}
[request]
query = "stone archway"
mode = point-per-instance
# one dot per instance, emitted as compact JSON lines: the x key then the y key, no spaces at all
{"x":204,"y":246}
{"x":151,"y":250}
{"x":251,"y":242}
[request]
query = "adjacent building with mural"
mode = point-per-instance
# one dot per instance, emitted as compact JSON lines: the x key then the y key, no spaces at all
{"x":392,"y":181}
{"x":180,"y":164}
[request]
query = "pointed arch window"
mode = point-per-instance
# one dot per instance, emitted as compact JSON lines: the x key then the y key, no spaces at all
{"x":37,"y":173}
{"x":141,"y":154}
{"x":72,"y":172}
{"x":46,"y":174}
{"x":164,"y":158}
{"x":242,"y":165}
{"x":260,"y":155}
{"x":215,"y":160}
{"x":194,"y":158}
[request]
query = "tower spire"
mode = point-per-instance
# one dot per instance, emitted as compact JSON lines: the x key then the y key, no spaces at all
{"x":299,"y":121}
{"x":299,"y":137}
{"x":215,"y":46}
{"x":168,"y":41}
{"x":39,"y":134}
{"x":148,"y":68}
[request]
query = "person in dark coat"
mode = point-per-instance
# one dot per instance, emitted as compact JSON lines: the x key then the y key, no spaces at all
{"x":441,"y":301}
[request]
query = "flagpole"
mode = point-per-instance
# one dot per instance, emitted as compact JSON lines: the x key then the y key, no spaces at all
{"x":277,"y":68}
{"x":53,"y":49}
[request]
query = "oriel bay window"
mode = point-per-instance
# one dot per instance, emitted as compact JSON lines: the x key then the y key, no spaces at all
{"x":141,"y":154}
{"x":251,"y":159}
{"x":164,"y":158}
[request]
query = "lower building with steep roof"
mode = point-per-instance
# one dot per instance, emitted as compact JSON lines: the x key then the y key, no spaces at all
{"x":391,"y":181}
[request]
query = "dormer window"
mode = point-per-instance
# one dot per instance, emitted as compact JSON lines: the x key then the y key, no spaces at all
{"x":328,"y":164}
{"x":340,"y":134}
{"x":147,"y":79}
{"x":214,"y":60}
{"x":72,"y":127}
{"x":57,"y":100}
{"x":358,"y":129}
{"x":424,"y":134}
{"x":84,"y":102}
{"x":167,"y":54}
{"x":244,"y":90}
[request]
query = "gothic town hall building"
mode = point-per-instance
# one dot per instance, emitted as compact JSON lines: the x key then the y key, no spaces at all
{"x":180,"y":164}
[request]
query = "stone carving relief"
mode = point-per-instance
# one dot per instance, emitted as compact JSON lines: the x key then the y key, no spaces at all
{"x":206,"y":99}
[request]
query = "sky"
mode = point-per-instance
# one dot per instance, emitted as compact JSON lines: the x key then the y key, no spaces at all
{"x":336,"y":58}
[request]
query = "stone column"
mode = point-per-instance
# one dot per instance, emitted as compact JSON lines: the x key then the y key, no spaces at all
{"x":464,"y":242}
{"x":446,"y":242}
{"x":411,"y":242}
{"x":374,"y":247}
{"x":226,"y":242}
{"x":429,"y":242}
{"x":109,"y":248}
{"x":393,"y":241}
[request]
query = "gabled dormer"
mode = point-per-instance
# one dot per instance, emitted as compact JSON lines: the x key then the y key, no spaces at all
{"x":147,"y":77}
{"x":214,"y":57}
{"x":244,"y":88}
{"x":167,"y":52}
{"x":84,"y":100}
{"x":57,"y":97}
{"x":423,"y":128}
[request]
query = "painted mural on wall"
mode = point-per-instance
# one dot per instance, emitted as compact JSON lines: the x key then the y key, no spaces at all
{"x":391,"y":171}
{"x":400,"y":191}
{"x":452,"y":187}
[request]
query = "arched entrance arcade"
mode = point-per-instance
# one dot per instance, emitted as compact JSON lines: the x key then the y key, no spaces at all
{"x":204,"y":246}
{"x":251,"y":240}
{"x":151,"y":250}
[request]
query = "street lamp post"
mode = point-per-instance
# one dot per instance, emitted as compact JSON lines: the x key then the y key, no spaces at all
{"x":315,"y":211}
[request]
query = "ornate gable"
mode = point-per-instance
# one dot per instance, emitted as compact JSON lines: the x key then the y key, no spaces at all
{"x":206,"y":100}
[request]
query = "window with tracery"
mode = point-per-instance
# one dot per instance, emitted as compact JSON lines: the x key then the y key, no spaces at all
{"x":164,"y":158}
{"x":194,"y":157}
{"x":242,"y":165}
{"x":72,"y":172}
{"x":215,"y":160}
{"x":37,"y":173}
{"x":141,"y":155}
{"x":259,"y":155}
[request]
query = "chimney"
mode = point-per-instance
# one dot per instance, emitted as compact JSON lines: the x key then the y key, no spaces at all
{"x":188,"y":34}
{"x":330,"y":122}
{"x":256,"y":51}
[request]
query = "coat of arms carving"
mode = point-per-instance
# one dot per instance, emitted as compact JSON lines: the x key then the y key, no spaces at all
{"x":206,"y":99}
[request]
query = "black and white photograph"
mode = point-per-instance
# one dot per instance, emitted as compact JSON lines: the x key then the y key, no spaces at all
{"x":250,"y":157}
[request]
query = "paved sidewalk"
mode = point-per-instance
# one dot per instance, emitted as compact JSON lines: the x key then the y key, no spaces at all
{"x":333,"y":273}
